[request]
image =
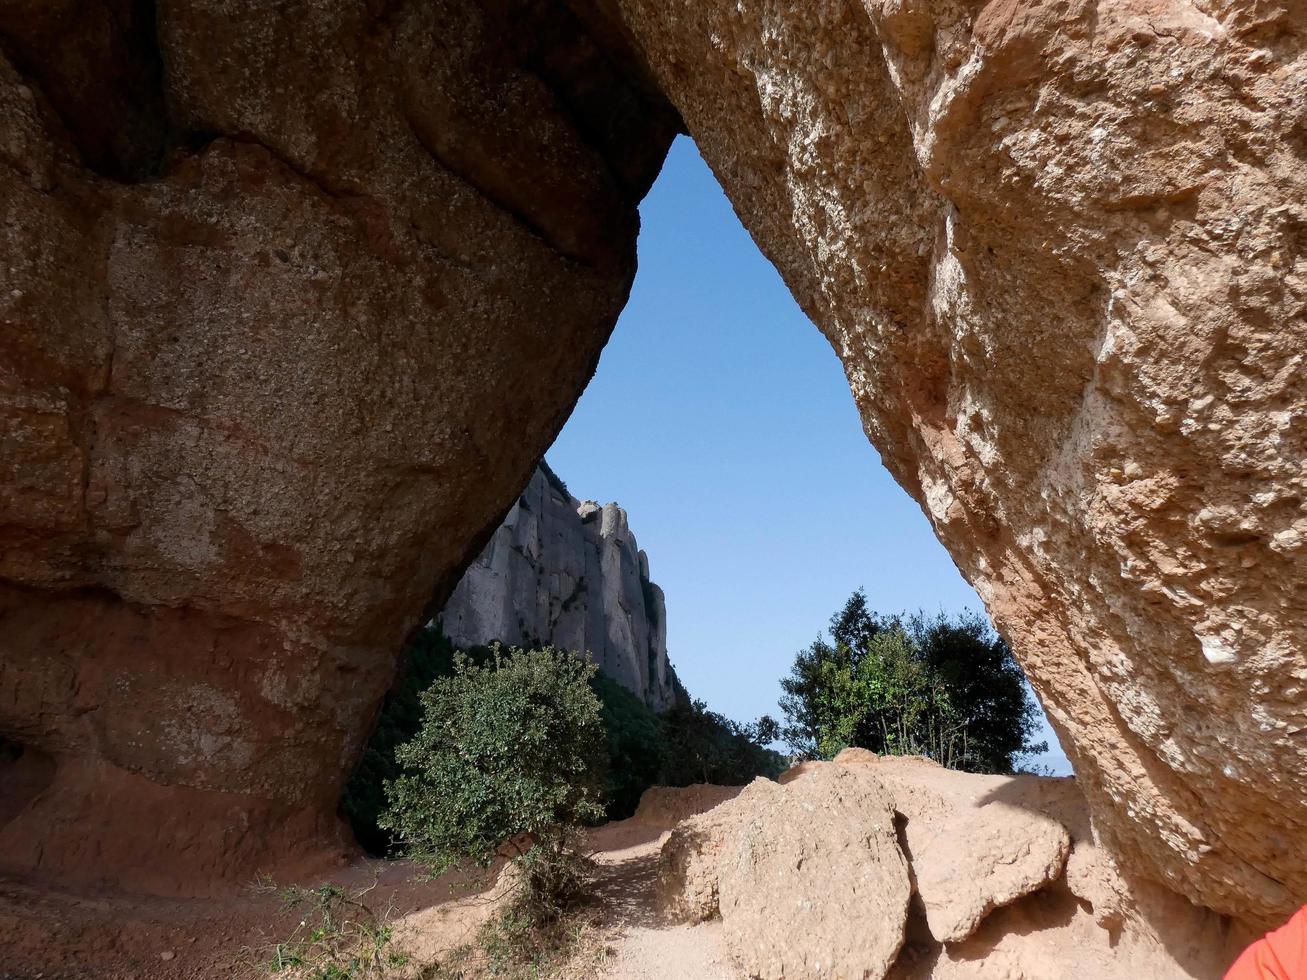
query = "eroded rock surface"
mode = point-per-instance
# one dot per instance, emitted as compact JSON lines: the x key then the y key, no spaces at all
{"x":293,"y":297}
{"x":971,"y":849}
{"x":1061,"y":249}
{"x":789,"y":869}
{"x":568,"y":573}
{"x":993,"y":893}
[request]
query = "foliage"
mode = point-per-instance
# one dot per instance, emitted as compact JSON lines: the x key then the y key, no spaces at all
{"x":686,"y":744}
{"x":945,"y":688}
{"x":340,"y":937}
{"x":702,"y":746}
{"x":512,"y":750}
{"x":635,"y":746}
{"x":643,"y":748}
{"x":429,"y":656}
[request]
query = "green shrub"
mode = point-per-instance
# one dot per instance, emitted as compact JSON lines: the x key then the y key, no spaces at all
{"x":685,"y":745}
{"x":429,"y":656}
{"x":635,"y":746}
{"x":512,"y":750}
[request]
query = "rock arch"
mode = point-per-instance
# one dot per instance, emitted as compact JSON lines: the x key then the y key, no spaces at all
{"x":276,"y":369}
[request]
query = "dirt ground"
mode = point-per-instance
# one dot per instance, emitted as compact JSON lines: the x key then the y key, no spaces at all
{"x":54,"y":935}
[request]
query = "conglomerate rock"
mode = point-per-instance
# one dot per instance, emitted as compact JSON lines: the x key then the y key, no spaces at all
{"x":1061,"y":249}
{"x":971,"y":849}
{"x":568,"y":573}
{"x":293,"y":295}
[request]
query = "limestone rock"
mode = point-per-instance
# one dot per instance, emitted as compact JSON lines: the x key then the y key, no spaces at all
{"x":293,"y":297}
{"x":1060,"y":250}
{"x":568,"y":573}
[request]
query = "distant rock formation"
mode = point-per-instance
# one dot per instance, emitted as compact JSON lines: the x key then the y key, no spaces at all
{"x":569,"y":573}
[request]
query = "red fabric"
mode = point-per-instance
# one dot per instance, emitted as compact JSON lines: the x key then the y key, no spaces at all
{"x":1279,"y":955}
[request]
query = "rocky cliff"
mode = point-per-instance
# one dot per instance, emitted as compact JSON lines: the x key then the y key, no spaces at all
{"x":568,"y":573}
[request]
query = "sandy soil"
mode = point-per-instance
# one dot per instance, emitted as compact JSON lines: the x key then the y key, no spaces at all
{"x":53,"y":935}
{"x":645,"y":947}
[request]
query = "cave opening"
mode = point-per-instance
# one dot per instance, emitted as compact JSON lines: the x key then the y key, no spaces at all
{"x":720,"y":425}
{"x":720,"y":418}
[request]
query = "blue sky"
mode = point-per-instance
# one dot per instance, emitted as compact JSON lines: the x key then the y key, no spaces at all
{"x":721,"y":420}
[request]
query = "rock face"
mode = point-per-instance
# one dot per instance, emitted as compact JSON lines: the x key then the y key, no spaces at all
{"x":264,"y":269}
{"x":295,"y":293}
{"x":971,"y":850}
{"x":568,"y":573}
{"x":812,"y":878}
{"x":1061,"y":249}
{"x":791,"y":870}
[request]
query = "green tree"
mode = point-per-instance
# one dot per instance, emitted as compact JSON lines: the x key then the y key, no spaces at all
{"x":989,"y":699}
{"x":635,"y":746}
{"x":510,"y":750}
{"x":702,"y":746}
{"x":948,"y":689}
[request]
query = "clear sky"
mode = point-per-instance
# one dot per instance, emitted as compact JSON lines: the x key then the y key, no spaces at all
{"x":721,"y":420}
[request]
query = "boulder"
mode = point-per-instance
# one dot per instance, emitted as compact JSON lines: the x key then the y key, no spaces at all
{"x":294,"y":296}
{"x":789,"y":869}
{"x":689,"y":862}
{"x":1060,"y":250}
{"x":972,"y":849}
{"x":996,"y":897}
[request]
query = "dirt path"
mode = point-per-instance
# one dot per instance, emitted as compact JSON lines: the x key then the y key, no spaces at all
{"x":106,"y":936}
{"x":646,"y":947}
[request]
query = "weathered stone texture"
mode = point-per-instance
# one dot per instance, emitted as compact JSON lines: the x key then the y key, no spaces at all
{"x":1060,"y":250}
{"x":568,"y":573}
{"x":265,"y":269}
{"x":294,"y":294}
{"x":808,"y":880}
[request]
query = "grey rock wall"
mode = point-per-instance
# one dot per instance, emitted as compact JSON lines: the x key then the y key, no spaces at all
{"x":569,"y":573}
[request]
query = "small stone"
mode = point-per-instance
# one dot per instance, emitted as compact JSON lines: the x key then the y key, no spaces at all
{"x":167,"y":955}
{"x":1217,"y":651}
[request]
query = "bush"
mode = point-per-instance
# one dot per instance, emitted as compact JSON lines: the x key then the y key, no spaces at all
{"x":427,"y":658}
{"x":512,"y":750}
{"x":635,"y":746}
{"x":688,"y":744}
{"x":702,"y":746}
{"x":948,"y":689}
